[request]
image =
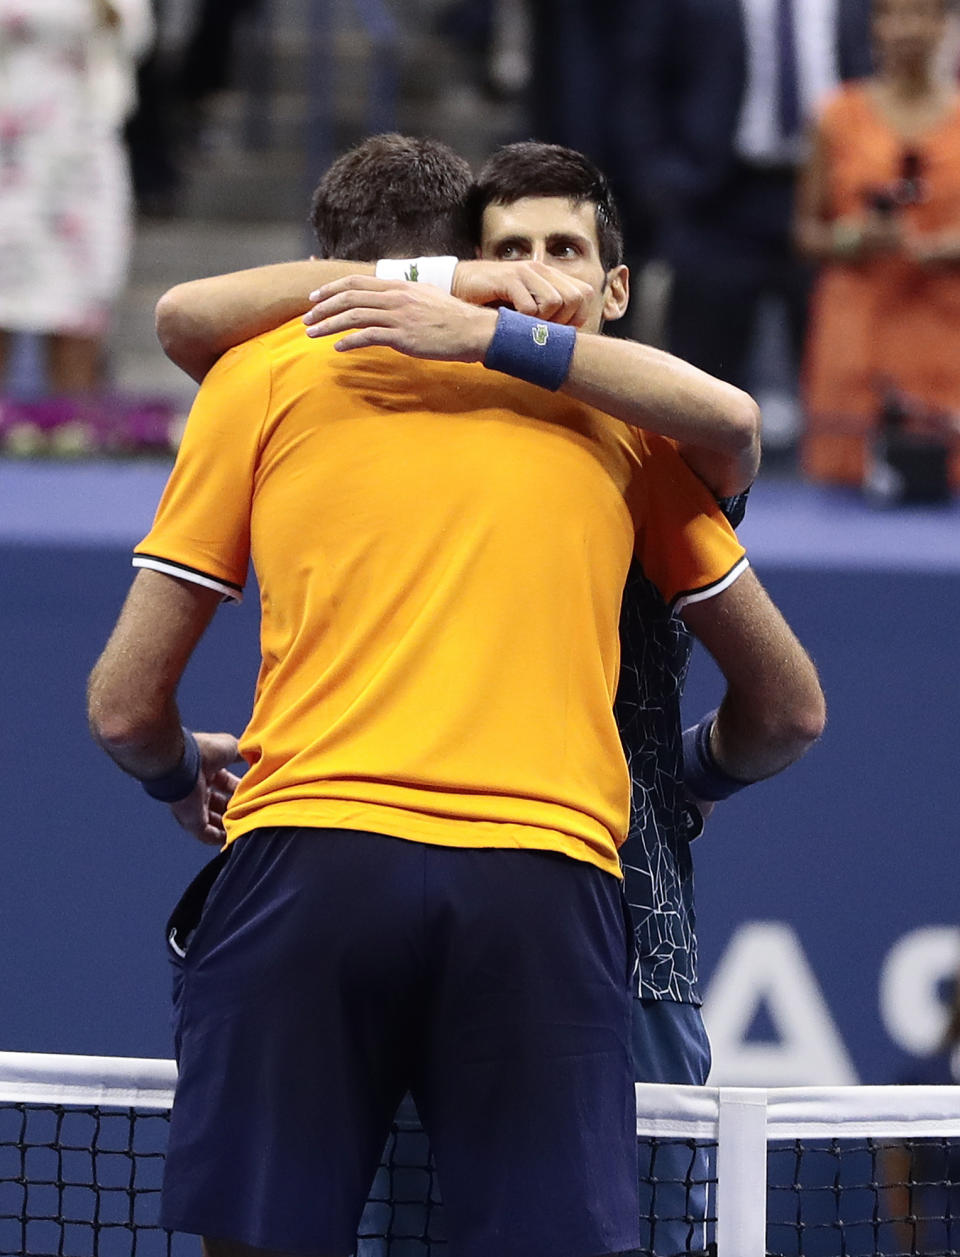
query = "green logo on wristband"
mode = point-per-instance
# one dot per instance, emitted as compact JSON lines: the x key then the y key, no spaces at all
{"x":540,"y":334}
{"x":413,"y":274}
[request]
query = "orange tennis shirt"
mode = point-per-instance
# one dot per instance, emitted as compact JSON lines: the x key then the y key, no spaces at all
{"x":441,"y":553}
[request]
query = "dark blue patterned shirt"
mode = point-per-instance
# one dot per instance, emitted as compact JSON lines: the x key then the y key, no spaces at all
{"x":658,"y":871}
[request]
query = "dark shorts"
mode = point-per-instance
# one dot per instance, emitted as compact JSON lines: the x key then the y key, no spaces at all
{"x":330,"y":971}
{"x":670,"y":1045}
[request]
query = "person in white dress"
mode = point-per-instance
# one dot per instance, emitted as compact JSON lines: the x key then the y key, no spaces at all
{"x":66,"y":88}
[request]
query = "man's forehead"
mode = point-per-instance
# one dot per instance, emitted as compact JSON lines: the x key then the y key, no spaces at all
{"x":540,"y":216}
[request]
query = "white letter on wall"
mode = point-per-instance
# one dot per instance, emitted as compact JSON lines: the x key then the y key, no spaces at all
{"x":912,"y":1011}
{"x":764,"y":962}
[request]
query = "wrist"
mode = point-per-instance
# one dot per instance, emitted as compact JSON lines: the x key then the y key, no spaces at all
{"x":530,"y":349}
{"x":703,"y":776}
{"x":484,"y":328}
{"x":438,"y":271}
{"x":181,"y":780}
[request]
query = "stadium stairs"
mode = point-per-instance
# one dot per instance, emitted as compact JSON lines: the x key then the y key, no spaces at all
{"x":248,"y":179}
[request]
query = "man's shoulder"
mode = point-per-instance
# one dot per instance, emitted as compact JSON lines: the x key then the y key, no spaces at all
{"x":288,"y":337}
{"x":652,"y":448}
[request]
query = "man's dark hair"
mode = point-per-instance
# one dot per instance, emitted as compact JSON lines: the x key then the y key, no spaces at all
{"x":529,"y":168}
{"x":394,"y":196}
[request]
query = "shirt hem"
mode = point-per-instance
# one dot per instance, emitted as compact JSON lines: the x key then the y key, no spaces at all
{"x":455,"y":832}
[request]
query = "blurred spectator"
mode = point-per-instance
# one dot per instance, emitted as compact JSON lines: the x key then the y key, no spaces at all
{"x":208,"y":55}
{"x":928,"y":1212}
{"x":66,"y":88}
{"x":152,"y":129}
{"x":573,"y":98}
{"x":190,"y":63}
{"x":713,"y":99}
{"x":879,"y":205}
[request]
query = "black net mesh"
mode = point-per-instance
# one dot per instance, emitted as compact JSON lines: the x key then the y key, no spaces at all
{"x":83,"y":1181}
{"x":862,"y":1198}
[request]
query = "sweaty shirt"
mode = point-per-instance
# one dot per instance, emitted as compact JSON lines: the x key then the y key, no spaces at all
{"x":441,"y":553}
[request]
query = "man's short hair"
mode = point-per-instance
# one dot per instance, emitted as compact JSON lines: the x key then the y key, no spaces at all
{"x":530,"y":168}
{"x":394,"y":196}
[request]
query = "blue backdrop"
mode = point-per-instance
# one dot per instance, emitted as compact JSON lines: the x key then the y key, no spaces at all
{"x":827,"y":897}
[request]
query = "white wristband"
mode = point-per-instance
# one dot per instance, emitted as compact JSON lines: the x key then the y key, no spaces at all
{"x":437,"y":270}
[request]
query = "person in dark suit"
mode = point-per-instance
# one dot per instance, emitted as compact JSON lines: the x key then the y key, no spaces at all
{"x":571,"y":97}
{"x":713,"y":100}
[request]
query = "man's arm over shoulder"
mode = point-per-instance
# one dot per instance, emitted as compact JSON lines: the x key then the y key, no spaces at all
{"x":716,"y":426}
{"x":774,"y":709}
{"x":199,"y":320}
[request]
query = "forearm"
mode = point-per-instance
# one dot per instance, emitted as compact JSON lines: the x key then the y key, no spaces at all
{"x":199,"y":320}
{"x":717,"y":425}
{"x":751,"y":751}
{"x":131,"y":693}
{"x":773,"y":710}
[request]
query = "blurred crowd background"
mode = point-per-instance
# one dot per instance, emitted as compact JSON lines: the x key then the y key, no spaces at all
{"x":789,"y":172}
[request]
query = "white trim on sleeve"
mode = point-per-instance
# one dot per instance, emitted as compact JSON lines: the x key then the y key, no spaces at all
{"x":710,"y":591}
{"x":231,"y":593}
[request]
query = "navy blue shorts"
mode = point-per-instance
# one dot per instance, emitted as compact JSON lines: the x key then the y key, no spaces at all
{"x":670,"y":1045}
{"x":330,"y":971}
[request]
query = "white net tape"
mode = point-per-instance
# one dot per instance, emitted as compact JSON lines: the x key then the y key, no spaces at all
{"x":738,"y":1130}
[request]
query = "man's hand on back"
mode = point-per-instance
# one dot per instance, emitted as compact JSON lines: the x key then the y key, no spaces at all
{"x":201,"y":812}
{"x":424,"y":322}
{"x":416,"y":319}
{"x":529,"y":287}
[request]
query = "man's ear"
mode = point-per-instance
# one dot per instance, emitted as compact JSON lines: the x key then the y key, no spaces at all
{"x":477,"y":252}
{"x":616,"y":296}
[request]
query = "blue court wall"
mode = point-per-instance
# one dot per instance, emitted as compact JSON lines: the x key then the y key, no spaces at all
{"x":828,"y":897}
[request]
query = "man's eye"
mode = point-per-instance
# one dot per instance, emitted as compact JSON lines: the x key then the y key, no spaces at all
{"x":563,"y":251}
{"x":509,"y":252}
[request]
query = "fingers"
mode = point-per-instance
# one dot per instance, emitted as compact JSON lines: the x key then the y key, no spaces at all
{"x":217,"y":803}
{"x":203,"y":818}
{"x":385,"y":337}
{"x":217,"y":750}
{"x":524,"y":300}
{"x":350,"y":319}
{"x":353,"y":290}
{"x":329,"y":302}
{"x":223,"y":780}
{"x":359,"y":283}
{"x":211,"y":836}
{"x":544,"y":292}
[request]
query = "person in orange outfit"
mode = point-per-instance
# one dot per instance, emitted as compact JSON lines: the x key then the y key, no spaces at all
{"x":879,"y":206}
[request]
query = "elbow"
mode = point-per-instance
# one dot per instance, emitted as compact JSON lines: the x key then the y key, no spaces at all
{"x":808,"y":722}
{"x":745,"y":426}
{"x":179,"y":334}
{"x":115,"y":723}
{"x":169,"y":320}
{"x":798,"y":721}
{"x":738,"y":468}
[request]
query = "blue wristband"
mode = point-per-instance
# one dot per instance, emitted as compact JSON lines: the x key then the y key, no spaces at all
{"x":530,"y":349}
{"x":702,"y":775}
{"x":180,"y":781}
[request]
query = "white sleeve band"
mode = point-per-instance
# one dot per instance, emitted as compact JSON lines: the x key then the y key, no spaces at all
{"x":437,"y":270}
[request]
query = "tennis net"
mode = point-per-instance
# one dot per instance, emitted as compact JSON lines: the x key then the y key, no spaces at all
{"x":735,"y":1172}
